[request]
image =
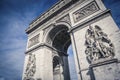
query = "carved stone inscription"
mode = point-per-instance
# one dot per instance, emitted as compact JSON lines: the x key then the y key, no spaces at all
{"x":31,"y":68}
{"x":33,"y":40}
{"x":98,"y":45}
{"x":85,"y":11}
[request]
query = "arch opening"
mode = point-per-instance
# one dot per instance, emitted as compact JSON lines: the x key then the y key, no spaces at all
{"x":56,"y":68}
{"x":59,"y":38}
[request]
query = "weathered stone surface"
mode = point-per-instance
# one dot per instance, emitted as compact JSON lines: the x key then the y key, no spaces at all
{"x":108,"y":67}
{"x":95,"y":39}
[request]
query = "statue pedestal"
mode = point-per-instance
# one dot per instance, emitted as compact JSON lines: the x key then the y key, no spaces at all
{"x":106,"y":69}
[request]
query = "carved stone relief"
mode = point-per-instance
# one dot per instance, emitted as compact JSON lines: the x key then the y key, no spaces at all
{"x":85,"y":11}
{"x":34,"y":40}
{"x":66,"y":18}
{"x":45,"y":30}
{"x":30,"y":68}
{"x":98,"y":45}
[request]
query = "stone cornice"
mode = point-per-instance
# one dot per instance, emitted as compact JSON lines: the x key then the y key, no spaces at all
{"x":38,"y":46}
{"x":104,"y":62}
{"x":44,"y":45}
{"x":53,"y":11}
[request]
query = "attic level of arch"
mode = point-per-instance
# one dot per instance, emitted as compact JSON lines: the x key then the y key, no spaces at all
{"x":52,"y":12}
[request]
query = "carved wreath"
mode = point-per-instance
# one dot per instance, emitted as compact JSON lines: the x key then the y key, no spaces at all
{"x":98,"y":45}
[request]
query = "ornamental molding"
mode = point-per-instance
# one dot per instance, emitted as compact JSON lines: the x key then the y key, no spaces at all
{"x":42,"y":45}
{"x":85,"y":11}
{"x":66,"y":18}
{"x":33,"y":41}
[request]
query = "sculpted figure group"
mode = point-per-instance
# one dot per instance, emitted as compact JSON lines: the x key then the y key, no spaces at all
{"x":98,"y":45}
{"x":31,"y":68}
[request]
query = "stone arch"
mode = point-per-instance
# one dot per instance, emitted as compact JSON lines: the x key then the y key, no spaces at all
{"x":60,"y":23}
{"x":63,"y":23}
{"x":92,"y":45}
{"x":59,"y":39}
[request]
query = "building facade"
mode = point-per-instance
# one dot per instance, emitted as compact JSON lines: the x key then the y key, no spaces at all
{"x":89,"y":27}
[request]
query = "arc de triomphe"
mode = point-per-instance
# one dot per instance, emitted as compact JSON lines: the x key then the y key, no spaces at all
{"x":89,"y":27}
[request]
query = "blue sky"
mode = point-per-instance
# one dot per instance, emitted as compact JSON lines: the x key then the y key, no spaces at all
{"x":15,"y":16}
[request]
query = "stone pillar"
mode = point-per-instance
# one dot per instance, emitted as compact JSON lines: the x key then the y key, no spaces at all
{"x":66,"y":68}
{"x":107,"y":69}
{"x":96,"y":42}
{"x":48,"y":64}
{"x":76,"y":58}
{"x":106,"y":58}
{"x":38,"y":65}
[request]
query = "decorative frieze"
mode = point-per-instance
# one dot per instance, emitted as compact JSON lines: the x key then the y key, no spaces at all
{"x":98,"y":45}
{"x":66,"y":18}
{"x":34,"y":40}
{"x":30,"y":68}
{"x":85,"y":11}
